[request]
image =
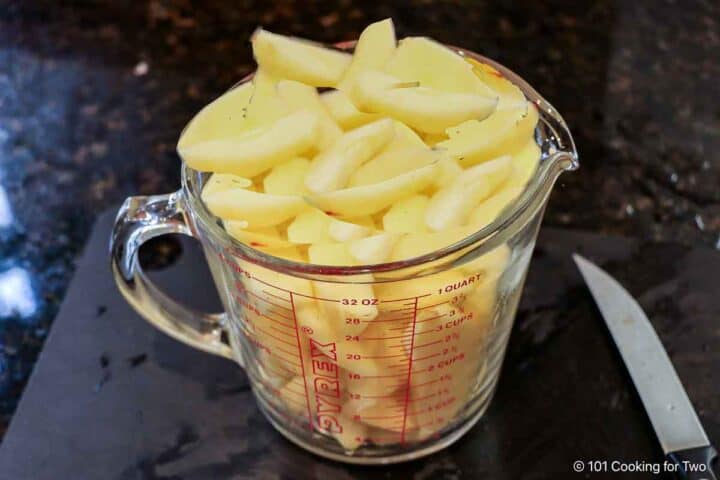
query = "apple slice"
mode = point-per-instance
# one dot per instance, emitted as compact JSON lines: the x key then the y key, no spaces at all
{"x":265,"y":106}
{"x":372,"y":51}
{"x":415,"y":244}
{"x":257,"y":209}
{"x":420,"y":59}
{"x":223,"y":118}
{"x":369,"y":199}
{"x":525,"y":163}
{"x":310,"y":226}
{"x":332,"y":169}
{"x":374,"y":249}
{"x":219,"y":182}
{"x":344,"y":111}
{"x":502,"y":133}
{"x":262,"y":238}
{"x":407,"y":215}
{"x":395,"y":160}
{"x":299,"y":96}
{"x":432,"y":139}
{"x":510,"y":96}
{"x":490,"y":208}
{"x":451,"y":206}
{"x":256,"y":152}
{"x":342,"y":231}
{"x":298,"y":59}
{"x":448,"y":170}
{"x":335,"y":312}
{"x":424,"y":109}
{"x":287,"y":178}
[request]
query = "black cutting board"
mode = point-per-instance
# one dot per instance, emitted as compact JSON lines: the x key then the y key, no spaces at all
{"x":112,"y":398}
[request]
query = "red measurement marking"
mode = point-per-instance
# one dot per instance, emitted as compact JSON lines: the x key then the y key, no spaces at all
{"x":273,"y":336}
{"x":284,"y":370}
{"x":404,"y":309}
{"x":428,"y":331}
{"x":381,"y":418}
{"x":260,"y":297}
{"x":409,"y":372}
{"x":427,"y":344}
{"x":398,"y":328}
{"x":279,"y":315}
{"x":302,"y":363}
{"x":282,"y":332}
{"x":378,"y":396}
{"x":424,"y":398}
{"x":427,"y":383}
{"x":383,"y":376}
{"x":432,"y":318}
{"x":276,"y":296}
{"x":421,"y":371}
{"x":295,"y":392}
{"x":403,"y":299}
{"x":433,"y":305}
{"x":383,"y":356}
{"x":388,"y":320}
{"x":429,"y":356}
{"x":277,"y":321}
{"x":383,"y":338}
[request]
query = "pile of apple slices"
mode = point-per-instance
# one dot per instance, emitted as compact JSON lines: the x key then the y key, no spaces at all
{"x":410,"y":146}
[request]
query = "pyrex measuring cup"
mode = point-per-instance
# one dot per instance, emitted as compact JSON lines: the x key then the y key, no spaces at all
{"x":364,"y":364}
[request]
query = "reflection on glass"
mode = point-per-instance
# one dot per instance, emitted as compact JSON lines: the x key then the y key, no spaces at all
{"x":16,"y":294}
{"x":6,"y":216}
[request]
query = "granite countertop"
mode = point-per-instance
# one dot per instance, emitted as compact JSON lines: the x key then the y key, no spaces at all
{"x":92,"y":99}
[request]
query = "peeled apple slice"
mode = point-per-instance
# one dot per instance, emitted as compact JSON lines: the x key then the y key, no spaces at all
{"x":372,"y":51}
{"x":425,"y":109}
{"x":222,"y":118}
{"x":407,"y":215}
{"x":419,"y":59}
{"x":257,"y":152}
{"x":262,"y":238}
{"x":219,"y":182}
{"x":344,"y":111}
{"x":392,"y":162}
{"x":525,"y":163}
{"x":448,"y":170}
{"x":451,"y":206}
{"x":257,"y":209}
{"x":332,"y":169}
{"x":310,"y":226}
{"x":342,"y":231}
{"x":489,"y":209}
{"x":416,"y":244}
{"x":369,"y":199}
{"x":372,"y":250}
{"x":335,"y":313}
{"x":504,"y":132}
{"x":265,"y":106}
{"x":299,"y":96}
{"x":287,"y":178}
{"x":298,"y":59}
{"x":510,"y":95}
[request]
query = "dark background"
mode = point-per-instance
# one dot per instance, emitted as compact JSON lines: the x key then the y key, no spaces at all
{"x":93,"y":96}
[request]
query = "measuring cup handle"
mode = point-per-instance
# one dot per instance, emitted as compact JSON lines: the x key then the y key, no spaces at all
{"x":139,"y":220}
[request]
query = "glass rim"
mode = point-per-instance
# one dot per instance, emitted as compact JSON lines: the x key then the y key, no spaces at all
{"x":513,"y":217}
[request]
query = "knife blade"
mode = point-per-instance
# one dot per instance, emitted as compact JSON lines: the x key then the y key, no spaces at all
{"x":672,"y":415}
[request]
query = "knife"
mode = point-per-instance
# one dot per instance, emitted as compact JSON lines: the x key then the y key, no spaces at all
{"x":672,"y":415}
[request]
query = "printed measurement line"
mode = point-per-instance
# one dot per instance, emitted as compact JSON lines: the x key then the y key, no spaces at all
{"x":273,"y":336}
{"x":279,"y":315}
{"x":384,"y":338}
{"x":427,"y":383}
{"x":427,"y":344}
{"x":288,"y":360}
{"x":381,"y":418}
{"x":398,"y":328}
{"x":302,"y":364}
{"x":392,"y":395}
{"x":424,"y":398}
{"x":433,"y":318}
{"x":427,"y":331}
{"x":434,"y":305}
{"x":276,"y":296}
{"x":266,"y":300}
{"x":284,"y":370}
{"x":408,"y":298}
{"x":295,"y":392}
{"x":277,"y":321}
{"x":387,"y":320}
{"x":384,"y":376}
{"x":409,"y":372}
{"x":429,"y":356}
{"x":403,"y":309}
{"x":282,"y":332}
{"x":383,"y":356}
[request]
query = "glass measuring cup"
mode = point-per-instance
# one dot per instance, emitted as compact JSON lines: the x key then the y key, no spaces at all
{"x":365,"y":364}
